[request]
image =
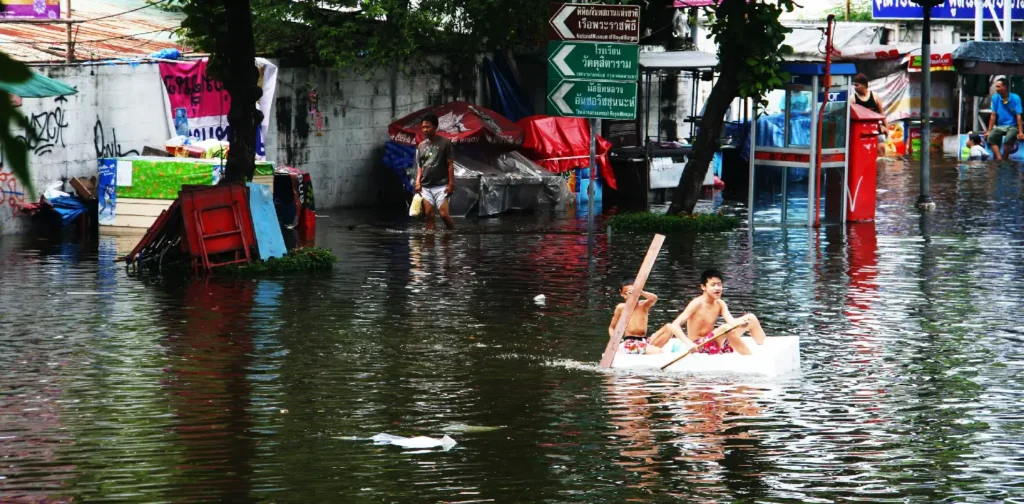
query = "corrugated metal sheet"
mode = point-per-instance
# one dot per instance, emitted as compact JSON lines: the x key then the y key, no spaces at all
{"x":122,"y":35}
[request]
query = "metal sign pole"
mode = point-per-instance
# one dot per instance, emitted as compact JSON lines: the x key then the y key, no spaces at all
{"x":591,"y":190}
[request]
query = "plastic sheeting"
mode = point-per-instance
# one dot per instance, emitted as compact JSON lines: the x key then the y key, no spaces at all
{"x":560,"y":144}
{"x":495,"y":183}
{"x":489,"y":182}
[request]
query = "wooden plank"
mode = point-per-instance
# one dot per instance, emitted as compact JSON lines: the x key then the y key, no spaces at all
{"x":132,"y":221}
{"x":133,"y":209}
{"x":638,"y":286}
{"x":162,"y":203}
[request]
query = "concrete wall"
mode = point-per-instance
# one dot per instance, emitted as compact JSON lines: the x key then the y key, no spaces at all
{"x":119,"y":109}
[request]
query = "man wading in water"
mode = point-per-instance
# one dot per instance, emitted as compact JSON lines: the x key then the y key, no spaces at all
{"x":435,"y":172}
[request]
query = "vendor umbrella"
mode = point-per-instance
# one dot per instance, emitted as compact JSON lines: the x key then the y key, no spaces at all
{"x":459,"y":122}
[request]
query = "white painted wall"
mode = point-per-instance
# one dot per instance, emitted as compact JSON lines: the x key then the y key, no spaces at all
{"x":119,"y":110}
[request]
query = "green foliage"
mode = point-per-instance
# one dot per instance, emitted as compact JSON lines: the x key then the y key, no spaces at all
{"x":402,"y":33}
{"x":860,"y":11}
{"x":750,"y":42}
{"x":664,"y":223}
{"x":303,"y":260}
{"x":15,"y":152}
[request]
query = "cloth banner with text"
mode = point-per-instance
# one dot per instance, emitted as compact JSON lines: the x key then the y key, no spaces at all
{"x":197,"y":105}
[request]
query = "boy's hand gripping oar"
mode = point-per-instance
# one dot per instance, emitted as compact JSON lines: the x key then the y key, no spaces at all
{"x":717,"y":333}
{"x":627,"y":312}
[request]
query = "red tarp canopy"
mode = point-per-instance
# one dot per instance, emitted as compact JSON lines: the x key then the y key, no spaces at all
{"x":560,"y":144}
{"x":459,"y":122}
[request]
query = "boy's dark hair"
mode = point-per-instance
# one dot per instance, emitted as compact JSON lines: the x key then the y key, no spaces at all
{"x":628,"y":281}
{"x":709,"y":274}
{"x":860,"y":79}
{"x":976,"y":139}
{"x":430,"y":118}
{"x":1004,"y":81}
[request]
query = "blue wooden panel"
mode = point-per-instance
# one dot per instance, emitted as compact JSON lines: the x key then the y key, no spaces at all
{"x":264,"y":222}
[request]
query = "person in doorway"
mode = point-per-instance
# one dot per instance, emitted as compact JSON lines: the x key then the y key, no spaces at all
{"x":435,"y":172}
{"x":1004,"y":121}
{"x":977,"y":151}
{"x":866,"y":98}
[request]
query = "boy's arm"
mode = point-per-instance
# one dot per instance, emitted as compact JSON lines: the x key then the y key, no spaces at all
{"x":728,"y":316}
{"x":615,"y":319}
{"x":649,"y":297}
{"x":683,"y":317}
{"x":725,"y":312}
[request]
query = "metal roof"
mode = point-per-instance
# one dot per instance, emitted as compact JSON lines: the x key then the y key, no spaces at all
{"x":109,"y":29}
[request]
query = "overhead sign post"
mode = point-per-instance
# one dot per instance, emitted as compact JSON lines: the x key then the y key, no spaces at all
{"x":593,"y":67}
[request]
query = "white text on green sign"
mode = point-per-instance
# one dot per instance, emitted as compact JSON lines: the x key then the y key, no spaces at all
{"x":596,"y":100}
{"x":593,"y":60}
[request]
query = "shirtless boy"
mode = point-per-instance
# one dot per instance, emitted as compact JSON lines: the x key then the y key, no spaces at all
{"x":634,"y":340}
{"x":701,"y":315}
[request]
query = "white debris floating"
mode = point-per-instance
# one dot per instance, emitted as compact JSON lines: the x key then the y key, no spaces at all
{"x":419,"y":442}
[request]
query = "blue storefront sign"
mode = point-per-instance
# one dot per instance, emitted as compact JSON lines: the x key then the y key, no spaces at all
{"x":833,"y":96}
{"x":962,"y":10}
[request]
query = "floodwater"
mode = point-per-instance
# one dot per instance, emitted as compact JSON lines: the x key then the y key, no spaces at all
{"x":120,"y":390}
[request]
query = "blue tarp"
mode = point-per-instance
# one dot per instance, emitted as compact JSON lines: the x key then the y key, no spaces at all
{"x":68,"y":208}
{"x":507,"y":98}
{"x":399,"y":158}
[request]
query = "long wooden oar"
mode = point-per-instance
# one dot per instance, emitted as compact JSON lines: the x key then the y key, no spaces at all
{"x":641,"y":278}
{"x":715,"y":335}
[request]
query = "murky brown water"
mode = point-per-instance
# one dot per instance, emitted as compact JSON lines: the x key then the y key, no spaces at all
{"x":117,"y":390}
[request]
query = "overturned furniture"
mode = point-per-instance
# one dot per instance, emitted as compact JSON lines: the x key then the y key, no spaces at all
{"x":207,"y":227}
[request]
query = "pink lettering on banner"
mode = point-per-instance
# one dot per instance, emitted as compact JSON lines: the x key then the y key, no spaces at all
{"x":189,"y":87}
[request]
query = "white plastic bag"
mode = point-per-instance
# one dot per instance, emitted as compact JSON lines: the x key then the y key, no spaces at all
{"x":416,"y":208}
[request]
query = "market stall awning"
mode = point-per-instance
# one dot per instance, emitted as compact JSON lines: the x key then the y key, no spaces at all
{"x":678,"y":60}
{"x":990,"y":58}
{"x":459,"y":122}
{"x":38,"y":86}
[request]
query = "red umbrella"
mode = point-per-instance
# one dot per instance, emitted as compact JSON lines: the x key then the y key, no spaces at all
{"x":560,"y":144}
{"x":459,"y":122}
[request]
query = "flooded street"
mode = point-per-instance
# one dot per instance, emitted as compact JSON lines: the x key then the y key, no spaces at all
{"x":120,"y":390}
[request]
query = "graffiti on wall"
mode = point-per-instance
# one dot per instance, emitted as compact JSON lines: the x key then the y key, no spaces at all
{"x":10,"y":192}
{"x":107,"y":147}
{"x":49,"y":129}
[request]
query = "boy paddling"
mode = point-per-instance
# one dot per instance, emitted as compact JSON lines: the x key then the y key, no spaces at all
{"x":700,"y":317}
{"x":634,"y":341}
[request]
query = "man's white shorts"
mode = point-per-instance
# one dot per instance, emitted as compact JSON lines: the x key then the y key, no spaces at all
{"x":436,"y":195}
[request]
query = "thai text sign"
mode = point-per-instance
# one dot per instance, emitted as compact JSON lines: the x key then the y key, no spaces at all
{"x":590,"y":60}
{"x":949,"y":10}
{"x":595,"y":22}
{"x":595,"y":100}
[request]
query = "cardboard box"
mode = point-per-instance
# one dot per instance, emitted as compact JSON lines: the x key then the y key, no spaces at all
{"x":86,"y":188}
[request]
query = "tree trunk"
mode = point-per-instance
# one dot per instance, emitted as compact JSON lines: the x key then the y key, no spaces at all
{"x":240,"y":80}
{"x":704,"y":146}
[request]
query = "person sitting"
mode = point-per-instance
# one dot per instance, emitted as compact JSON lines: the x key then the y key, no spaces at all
{"x":1004,"y":121}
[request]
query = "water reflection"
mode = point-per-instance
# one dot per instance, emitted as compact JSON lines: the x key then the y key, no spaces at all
{"x":120,"y":390}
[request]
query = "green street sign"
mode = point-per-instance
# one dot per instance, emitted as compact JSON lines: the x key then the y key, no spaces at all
{"x":592,"y":99}
{"x":593,"y":60}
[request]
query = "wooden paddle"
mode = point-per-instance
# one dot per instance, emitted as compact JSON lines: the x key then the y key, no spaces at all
{"x":638,"y":285}
{"x":715,"y":335}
